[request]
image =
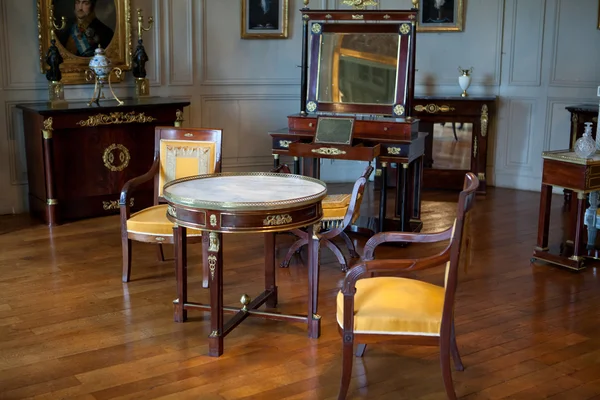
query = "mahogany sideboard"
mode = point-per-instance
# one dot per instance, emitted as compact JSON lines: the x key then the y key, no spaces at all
{"x":79,"y":156}
{"x":479,"y":111}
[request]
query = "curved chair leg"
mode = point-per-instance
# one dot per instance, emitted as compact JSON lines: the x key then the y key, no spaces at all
{"x":347,"y":359}
{"x":458,"y":365}
{"x":295,"y":247}
{"x":349,"y":244}
{"x":159,"y":253}
{"x":338,"y":253}
{"x":360,"y":350}
{"x":126,"y":245}
{"x":446,"y":371}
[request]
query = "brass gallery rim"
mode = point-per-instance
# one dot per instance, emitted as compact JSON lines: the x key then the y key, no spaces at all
{"x":245,"y":206}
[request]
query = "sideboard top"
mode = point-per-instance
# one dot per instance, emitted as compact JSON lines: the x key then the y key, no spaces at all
{"x":108,"y":105}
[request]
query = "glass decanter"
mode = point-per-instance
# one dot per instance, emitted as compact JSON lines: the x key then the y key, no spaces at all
{"x":585,"y":146}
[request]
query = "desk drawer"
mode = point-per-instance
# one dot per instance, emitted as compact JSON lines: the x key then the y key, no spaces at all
{"x":302,"y":124}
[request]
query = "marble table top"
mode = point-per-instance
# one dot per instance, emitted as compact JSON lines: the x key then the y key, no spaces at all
{"x":245,"y":191}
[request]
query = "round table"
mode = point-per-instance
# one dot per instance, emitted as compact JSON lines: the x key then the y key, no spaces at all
{"x":253,"y":202}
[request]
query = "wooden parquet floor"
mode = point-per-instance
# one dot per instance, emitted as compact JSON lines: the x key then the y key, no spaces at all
{"x":70,"y":329}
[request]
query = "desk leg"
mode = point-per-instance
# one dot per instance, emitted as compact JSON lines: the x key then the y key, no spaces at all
{"x":581,"y":200}
{"x":215,"y":265}
{"x":180,"y":253}
{"x":403,"y":199}
{"x":544,"y":218}
{"x":382,"y":197}
{"x":275,"y":161}
{"x":314,"y":319}
{"x":270,"y":284}
{"x":296,"y":165}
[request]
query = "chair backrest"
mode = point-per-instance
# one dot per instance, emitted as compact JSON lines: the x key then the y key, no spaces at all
{"x":466,"y":201}
{"x":185,"y":152}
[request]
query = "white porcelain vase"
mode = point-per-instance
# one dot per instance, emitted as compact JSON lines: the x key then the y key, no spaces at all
{"x":100,"y":64}
{"x":464,"y":80}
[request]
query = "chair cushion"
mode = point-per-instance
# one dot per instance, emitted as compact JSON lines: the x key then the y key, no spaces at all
{"x":395,"y":306}
{"x":153,"y":221}
{"x":336,"y":201}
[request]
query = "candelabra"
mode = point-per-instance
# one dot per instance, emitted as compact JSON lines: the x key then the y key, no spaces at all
{"x":142,"y":85}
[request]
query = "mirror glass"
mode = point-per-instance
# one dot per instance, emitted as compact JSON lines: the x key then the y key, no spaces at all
{"x":451,"y":148}
{"x":358,"y":68}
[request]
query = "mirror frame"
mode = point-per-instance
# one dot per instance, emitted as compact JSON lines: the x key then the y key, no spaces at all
{"x":73,"y":68}
{"x":317,"y":22}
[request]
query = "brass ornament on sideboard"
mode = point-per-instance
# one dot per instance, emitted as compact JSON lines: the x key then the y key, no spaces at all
{"x":116,"y":118}
{"x":73,"y":68}
{"x":360,"y":4}
{"x":114,"y":204}
{"x":108,"y":157}
{"x":484,"y":120}
{"x":433,"y":108}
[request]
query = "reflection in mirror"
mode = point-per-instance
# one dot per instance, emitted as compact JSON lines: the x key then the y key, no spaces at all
{"x":452,"y":145}
{"x":358,"y":68}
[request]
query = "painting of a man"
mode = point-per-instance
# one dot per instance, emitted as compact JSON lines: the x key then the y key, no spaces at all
{"x":86,"y":31}
{"x":263,"y":14}
{"x":437,"y":11}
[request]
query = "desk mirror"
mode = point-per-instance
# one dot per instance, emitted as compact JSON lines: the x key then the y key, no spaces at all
{"x":361,"y":67}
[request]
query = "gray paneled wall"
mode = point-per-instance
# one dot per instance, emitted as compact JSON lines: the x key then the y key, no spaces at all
{"x":537,"y":55}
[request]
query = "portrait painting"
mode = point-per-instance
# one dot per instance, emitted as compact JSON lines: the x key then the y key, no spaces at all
{"x":440,"y":15}
{"x":264,"y":19}
{"x":89,"y":24}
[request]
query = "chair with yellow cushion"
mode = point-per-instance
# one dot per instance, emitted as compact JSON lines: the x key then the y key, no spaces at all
{"x":339,"y":211}
{"x":408,"y":311}
{"x":179,"y":152}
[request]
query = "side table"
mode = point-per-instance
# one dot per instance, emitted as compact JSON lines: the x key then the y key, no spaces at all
{"x":253,"y":202}
{"x":564,"y":169}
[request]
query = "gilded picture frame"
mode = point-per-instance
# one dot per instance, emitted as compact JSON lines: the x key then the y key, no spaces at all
{"x":112,"y":14}
{"x":441,"y":16}
{"x":264,"y":19}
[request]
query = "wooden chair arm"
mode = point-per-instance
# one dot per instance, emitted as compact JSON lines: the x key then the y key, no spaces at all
{"x":132,"y":184}
{"x":366,"y":268}
{"x":390,"y":237}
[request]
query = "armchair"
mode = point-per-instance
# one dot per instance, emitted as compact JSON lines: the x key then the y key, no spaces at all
{"x":339,"y":211}
{"x":179,"y":152}
{"x":375,"y":309}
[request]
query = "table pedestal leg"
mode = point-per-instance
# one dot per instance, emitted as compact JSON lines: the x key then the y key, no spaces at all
{"x":314,"y":319}
{"x":180,"y":253}
{"x":214,"y":260}
{"x":270,"y":270}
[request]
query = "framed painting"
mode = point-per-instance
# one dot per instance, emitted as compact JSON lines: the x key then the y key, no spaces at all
{"x":441,"y":15}
{"x":89,"y":24}
{"x":265,"y":19}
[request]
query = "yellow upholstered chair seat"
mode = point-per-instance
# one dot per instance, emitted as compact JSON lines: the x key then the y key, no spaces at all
{"x":395,"y":306}
{"x":335,"y":207}
{"x":154,"y":221}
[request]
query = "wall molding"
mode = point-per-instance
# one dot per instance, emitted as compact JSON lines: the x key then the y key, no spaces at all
{"x":188,"y":48}
{"x":15,"y":136}
{"x":531,"y":103}
{"x":235,"y":161}
{"x":208,"y":81}
{"x":540,"y":30}
{"x":554,"y":80}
